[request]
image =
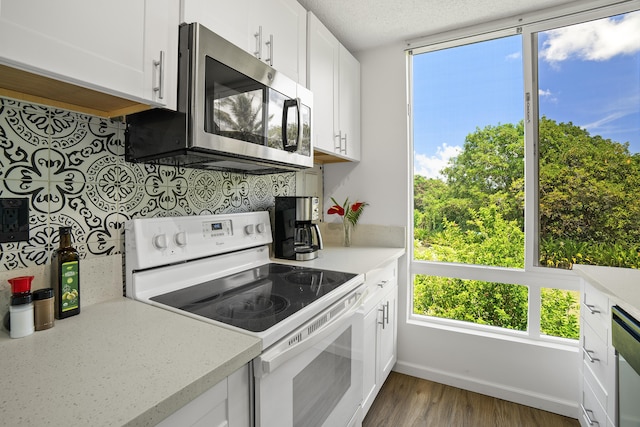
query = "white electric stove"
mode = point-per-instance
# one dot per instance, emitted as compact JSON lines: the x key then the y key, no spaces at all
{"x":217,"y":269}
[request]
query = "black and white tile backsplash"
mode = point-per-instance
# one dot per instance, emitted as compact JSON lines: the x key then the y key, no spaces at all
{"x":71,"y":167}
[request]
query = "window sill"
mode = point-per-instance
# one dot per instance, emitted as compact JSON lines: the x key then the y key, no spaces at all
{"x":492,"y":332}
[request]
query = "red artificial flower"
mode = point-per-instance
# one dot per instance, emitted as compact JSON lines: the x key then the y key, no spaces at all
{"x":349,"y":213}
{"x":336,"y":209}
{"x":356,"y":206}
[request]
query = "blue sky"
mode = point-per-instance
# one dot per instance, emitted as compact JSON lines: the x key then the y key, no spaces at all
{"x":589,"y":74}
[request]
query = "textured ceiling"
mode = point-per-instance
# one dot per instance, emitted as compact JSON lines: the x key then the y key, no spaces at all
{"x":364,"y":24}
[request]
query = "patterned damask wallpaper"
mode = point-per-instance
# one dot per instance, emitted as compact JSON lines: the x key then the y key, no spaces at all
{"x":71,"y":168}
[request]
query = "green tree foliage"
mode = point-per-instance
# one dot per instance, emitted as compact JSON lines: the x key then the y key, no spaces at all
{"x":589,"y":212}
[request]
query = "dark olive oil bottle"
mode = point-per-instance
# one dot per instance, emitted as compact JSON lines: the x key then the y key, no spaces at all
{"x":66,"y":276}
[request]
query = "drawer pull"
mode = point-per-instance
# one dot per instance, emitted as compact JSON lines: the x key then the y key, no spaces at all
{"x":589,"y":356}
{"x":381,"y":284}
{"x":587,"y":415}
{"x":592,"y":308}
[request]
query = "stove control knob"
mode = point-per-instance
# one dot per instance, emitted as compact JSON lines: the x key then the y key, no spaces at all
{"x":260,"y":228}
{"x":180,"y":238}
{"x":159,"y":241}
{"x":249,"y":229}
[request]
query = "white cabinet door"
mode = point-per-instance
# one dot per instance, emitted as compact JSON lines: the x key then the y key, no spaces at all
{"x":161,"y":52}
{"x":387,"y":332}
{"x":324,"y":53}
{"x":274,"y":31}
{"x":349,"y":105}
{"x":225,"y":404}
{"x":284,"y":36}
{"x":228,"y":19}
{"x":97,"y":45}
{"x":334,"y":79}
{"x":380,"y":331}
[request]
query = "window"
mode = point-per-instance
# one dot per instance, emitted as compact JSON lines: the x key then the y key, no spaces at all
{"x":507,"y":184}
{"x":589,"y":143}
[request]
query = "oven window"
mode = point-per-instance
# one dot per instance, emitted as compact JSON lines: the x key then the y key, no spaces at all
{"x":320,"y":386}
{"x":235,"y":105}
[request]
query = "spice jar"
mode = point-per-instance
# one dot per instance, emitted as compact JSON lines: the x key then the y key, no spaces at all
{"x":43,"y":309}
{"x":21,"y":313}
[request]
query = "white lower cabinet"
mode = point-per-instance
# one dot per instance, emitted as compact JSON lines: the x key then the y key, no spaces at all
{"x":227,"y":404}
{"x":598,"y":367}
{"x":380,"y":331}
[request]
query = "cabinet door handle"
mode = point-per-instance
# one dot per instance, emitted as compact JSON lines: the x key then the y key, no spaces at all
{"x":338,"y":147}
{"x":589,"y":356}
{"x":344,"y":138}
{"x":159,"y":64}
{"x":587,"y":415}
{"x":386,"y":317}
{"x":592,"y":308}
{"x":269,"y":60}
{"x":258,"y":36}
{"x":383,"y":317}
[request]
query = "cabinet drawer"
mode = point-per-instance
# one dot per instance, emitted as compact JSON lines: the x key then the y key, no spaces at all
{"x":594,"y":353}
{"x":591,"y":411}
{"x":378,"y":282}
{"x":595,"y":311}
{"x":598,"y":389}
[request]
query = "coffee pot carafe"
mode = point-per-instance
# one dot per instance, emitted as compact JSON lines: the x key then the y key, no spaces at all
{"x":296,"y":232}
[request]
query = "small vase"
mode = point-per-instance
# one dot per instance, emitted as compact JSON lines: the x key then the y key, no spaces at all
{"x":347,"y":227}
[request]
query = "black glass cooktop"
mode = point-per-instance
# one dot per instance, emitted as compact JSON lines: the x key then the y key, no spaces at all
{"x":256,"y":299}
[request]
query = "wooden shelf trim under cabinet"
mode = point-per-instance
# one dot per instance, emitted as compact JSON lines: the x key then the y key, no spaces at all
{"x":30,"y":87}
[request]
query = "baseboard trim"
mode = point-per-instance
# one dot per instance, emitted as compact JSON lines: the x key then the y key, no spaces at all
{"x":500,"y":391}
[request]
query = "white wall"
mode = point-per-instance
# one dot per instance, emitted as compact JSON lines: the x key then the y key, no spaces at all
{"x":541,"y":376}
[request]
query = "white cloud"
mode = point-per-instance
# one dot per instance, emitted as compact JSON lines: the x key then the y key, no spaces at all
{"x":617,"y":108}
{"x":546,"y":93}
{"x":594,"y":41}
{"x":431,"y":166}
{"x":594,"y":127}
{"x":513,"y":56}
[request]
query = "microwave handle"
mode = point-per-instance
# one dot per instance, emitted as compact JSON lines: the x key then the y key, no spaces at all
{"x":285,"y":140}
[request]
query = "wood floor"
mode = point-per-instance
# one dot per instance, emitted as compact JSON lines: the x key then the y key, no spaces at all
{"x":406,"y":401}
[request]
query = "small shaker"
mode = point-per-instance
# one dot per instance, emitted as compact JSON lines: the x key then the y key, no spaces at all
{"x":44,"y":309}
{"x":21,"y":312}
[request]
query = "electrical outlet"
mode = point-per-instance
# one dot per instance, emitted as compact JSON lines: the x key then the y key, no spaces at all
{"x":14,"y":220}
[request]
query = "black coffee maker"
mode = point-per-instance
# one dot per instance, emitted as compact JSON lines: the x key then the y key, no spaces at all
{"x":296,"y":234}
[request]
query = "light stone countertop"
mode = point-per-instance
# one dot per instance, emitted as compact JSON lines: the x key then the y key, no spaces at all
{"x":119,"y":362}
{"x":359,"y":260}
{"x":621,"y":285}
{"x":123,"y":362}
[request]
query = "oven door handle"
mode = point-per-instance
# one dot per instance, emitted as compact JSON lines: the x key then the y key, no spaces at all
{"x":272,"y":359}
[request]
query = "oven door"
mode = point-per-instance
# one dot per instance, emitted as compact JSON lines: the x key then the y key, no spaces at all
{"x":319,"y":381}
{"x":625,"y":334}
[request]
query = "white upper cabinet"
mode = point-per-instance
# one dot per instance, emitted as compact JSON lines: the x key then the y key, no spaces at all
{"x":334,"y":79}
{"x":226,"y":18}
{"x":349,"y":105}
{"x":126,"y":48}
{"x":274,"y":31}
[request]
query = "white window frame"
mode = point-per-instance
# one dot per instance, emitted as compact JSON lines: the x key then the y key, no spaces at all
{"x":532,"y":276}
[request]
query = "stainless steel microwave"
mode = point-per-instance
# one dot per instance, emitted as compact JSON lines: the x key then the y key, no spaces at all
{"x":234,"y":113}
